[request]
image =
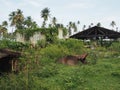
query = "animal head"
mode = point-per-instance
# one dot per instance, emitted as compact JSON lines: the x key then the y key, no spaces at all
{"x":82,"y":57}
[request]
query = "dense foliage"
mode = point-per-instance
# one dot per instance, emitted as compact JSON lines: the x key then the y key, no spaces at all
{"x":27,"y":33}
{"x":41,"y":71}
{"x":50,"y":33}
{"x":38,"y":66}
{"x":18,"y":46}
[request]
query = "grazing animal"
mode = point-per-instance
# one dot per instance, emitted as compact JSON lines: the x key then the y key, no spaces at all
{"x":73,"y":60}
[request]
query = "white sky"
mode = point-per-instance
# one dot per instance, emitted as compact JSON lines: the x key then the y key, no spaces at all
{"x":86,"y":11}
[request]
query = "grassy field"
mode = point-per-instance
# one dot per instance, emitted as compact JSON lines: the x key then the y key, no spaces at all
{"x":42,"y":72}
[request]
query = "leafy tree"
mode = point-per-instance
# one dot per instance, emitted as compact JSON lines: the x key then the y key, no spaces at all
{"x":59,"y":26}
{"x":50,"y":25}
{"x":34,"y":24}
{"x":3,"y":28}
{"x":29,"y":23}
{"x":45,"y":13}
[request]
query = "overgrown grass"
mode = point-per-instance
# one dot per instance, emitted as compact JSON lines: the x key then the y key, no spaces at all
{"x":42,"y":72}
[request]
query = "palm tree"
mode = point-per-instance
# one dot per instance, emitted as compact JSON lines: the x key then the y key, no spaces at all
{"x":5,"y":23}
{"x":19,"y":19}
{"x":91,"y":24}
{"x":70,"y":28}
{"x":78,"y":22}
{"x":61,"y":25}
{"x":113,"y":24}
{"x":12,"y":16}
{"x":84,"y":26}
{"x":3,"y":30}
{"x":99,"y":24}
{"x":74,"y":27}
{"x":16,"y":18}
{"x":50,"y":25}
{"x":70,"y":24}
{"x":27,"y":22}
{"x":45,"y":13}
{"x":54,"y":20}
{"x":34,"y":24}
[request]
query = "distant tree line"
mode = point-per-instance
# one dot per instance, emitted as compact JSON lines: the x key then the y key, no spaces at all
{"x":19,"y":21}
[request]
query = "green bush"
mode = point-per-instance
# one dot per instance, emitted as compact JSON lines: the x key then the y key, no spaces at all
{"x":73,"y":45}
{"x":13,"y":45}
{"x":115,"y":46}
{"x":41,"y":43}
{"x":116,"y":73}
{"x":54,"y":52}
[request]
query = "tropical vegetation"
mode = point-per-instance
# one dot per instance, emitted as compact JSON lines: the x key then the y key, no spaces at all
{"x":39,"y":68}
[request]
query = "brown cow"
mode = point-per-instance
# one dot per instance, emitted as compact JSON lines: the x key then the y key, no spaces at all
{"x":73,"y":60}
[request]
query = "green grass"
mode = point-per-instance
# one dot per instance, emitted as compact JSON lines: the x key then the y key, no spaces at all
{"x":101,"y":73}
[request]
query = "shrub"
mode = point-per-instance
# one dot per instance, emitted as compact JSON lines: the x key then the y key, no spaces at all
{"x":13,"y":45}
{"x":54,"y":52}
{"x":115,"y":46}
{"x":73,"y":45}
{"x":41,"y":43}
{"x":116,"y":74}
{"x":93,"y":56}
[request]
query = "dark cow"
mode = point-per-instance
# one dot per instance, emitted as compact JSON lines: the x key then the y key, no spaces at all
{"x":73,"y":59}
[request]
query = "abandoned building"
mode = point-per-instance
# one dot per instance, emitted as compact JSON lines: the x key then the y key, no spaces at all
{"x":96,"y":33}
{"x":8,"y":60}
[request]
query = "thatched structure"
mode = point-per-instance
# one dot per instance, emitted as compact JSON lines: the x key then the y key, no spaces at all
{"x":96,"y":33}
{"x":8,"y":60}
